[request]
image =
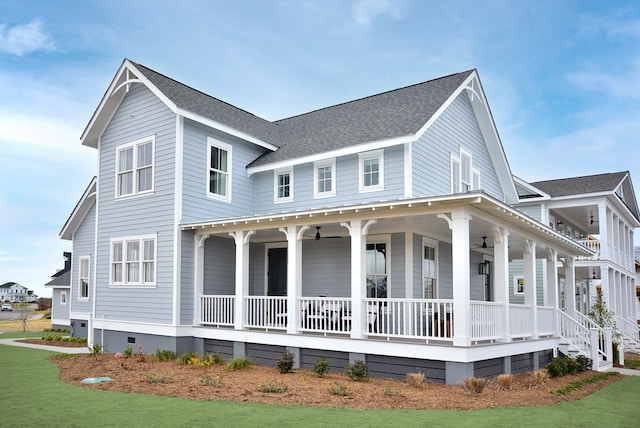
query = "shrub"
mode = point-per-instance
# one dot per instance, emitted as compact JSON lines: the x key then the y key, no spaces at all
{"x":241,"y":363}
{"x":183,"y":358}
{"x":474,"y":384}
{"x":339,"y":389}
{"x":584,"y":363}
{"x":558,"y":367}
{"x":165,"y":355}
{"x":273,"y":387}
{"x":415,"y":379}
{"x":321,"y":367}
{"x":358,"y":370}
{"x":539,"y":376}
{"x":504,"y":381}
{"x":285,"y":362}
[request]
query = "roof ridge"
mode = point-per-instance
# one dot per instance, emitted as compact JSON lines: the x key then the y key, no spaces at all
{"x":578,"y":177}
{"x":277,"y":122}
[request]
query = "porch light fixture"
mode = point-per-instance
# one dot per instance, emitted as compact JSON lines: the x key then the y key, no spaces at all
{"x":594,"y":274}
{"x":559,"y":223}
{"x":317,"y":233}
{"x":484,"y":242}
{"x":483,"y":268}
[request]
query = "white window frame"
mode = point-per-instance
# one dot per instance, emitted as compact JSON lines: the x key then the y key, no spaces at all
{"x":211,"y":143}
{"x":138,"y":264}
{"x":516,"y":279}
{"x":135,"y":168}
{"x":362,"y":158}
{"x":63,"y":298}
{"x":427,"y":242}
{"x":324,"y":164}
{"x":276,"y":185}
{"x":81,"y":277}
{"x":460,"y":169}
{"x":386,"y":240}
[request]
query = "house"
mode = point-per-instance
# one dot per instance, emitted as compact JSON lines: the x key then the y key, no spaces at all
{"x":385,"y":229}
{"x":61,"y":286}
{"x":14,"y":292}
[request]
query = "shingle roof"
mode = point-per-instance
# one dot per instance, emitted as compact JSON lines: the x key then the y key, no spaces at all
{"x":392,"y":114}
{"x":63,"y":278}
{"x":581,"y":185}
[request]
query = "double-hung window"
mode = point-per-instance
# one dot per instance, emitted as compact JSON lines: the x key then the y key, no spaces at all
{"x":324,"y":183}
{"x":219,"y":170}
{"x":377,"y":269}
{"x":429,"y":269}
{"x":133,"y":261}
{"x":283,"y":190}
{"x":83,"y":277}
{"x":464,"y":177}
{"x":63,"y":297}
{"x":135,"y":167}
{"x":371,"y":171}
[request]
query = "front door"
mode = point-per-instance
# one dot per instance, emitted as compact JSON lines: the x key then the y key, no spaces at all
{"x":277,"y":272}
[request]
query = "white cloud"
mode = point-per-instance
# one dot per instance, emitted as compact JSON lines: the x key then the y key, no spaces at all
{"x":365,"y":12}
{"x":25,"y":39}
{"x":620,"y":85}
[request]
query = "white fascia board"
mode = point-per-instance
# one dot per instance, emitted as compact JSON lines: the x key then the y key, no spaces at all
{"x":532,"y":188}
{"x":373,"y":145}
{"x":224,"y":128}
{"x":58,"y":286}
{"x":79,"y":211}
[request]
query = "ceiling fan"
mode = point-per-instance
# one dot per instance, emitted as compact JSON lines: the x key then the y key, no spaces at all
{"x":317,"y":236}
{"x":484,"y":243}
{"x":591,"y":220}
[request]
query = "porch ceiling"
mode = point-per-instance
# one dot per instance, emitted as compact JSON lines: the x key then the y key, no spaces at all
{"x":418,"y":215}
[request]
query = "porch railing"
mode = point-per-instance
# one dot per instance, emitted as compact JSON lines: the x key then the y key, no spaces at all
{"x":486,"y":322}
{"x":593,"y":245}
{"x":629,"y":329}
{"x":269,"y":312}
{"x":520,"y":321}
{"x":546,"y":320}
{"x":217,"y":310}
{"x":325,"y":314}
{"x":587,"y":338}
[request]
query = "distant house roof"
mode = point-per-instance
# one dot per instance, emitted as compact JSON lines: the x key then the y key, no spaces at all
{"x":62,"y":279}
{"x":581,"y":185}
{"x":7,"y":285}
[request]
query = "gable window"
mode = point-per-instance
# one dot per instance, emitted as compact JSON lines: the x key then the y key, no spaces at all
{"x":324,"y":178}
{"x":371,"y":170}
{"x":377,"y":268}
{"x":63,"y":297}
{"x":133,"y":261}
{"x":83,"y":278}
{"x":464,"y":177}
{"x":219,"y":170}
{"x":283,"y":186}
{"x":429,"y":270}
{"x":135,"y":167}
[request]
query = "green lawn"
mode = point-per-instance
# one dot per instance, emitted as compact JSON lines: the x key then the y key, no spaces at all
{"x":30,"y":388}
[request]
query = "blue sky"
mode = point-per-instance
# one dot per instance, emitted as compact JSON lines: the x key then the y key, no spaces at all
{"x":561,"y":78}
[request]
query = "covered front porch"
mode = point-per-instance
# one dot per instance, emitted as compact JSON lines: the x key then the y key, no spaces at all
{"x":462,"y":271}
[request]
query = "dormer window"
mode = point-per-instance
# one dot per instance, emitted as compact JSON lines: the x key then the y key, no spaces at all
{"x":464,"y":177}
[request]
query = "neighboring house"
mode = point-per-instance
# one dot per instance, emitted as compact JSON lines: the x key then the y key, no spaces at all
{"x":61,"y":285}
{"x":637,"y":266}
{"x":381,"y":229}
{"x":14,"y":292}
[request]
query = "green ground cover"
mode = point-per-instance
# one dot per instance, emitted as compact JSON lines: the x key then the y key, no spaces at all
{"x":30,"y":388}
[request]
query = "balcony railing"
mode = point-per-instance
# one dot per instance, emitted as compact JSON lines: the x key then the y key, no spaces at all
{"x":593,"y":245}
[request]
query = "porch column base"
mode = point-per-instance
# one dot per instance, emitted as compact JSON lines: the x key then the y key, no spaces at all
{"x":455,"y":372}
{"x":239,"y":349}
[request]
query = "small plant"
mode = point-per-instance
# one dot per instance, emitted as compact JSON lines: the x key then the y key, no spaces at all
{"x":128,"y":351}
{"x":96,"y":349}
{"x":339,"y":389}
{"x":584,"y":363}
{"x":165,"y":355}
{"x":321,"y":367}
{"x":390,"y":391}
{"x":577,"y":384}
{"x":273,"y":387}
{"x":358,"y":371}
{"x":474,"y":384}
{"x":415,"y":379}
{"x":505,"y":381}
{"x":539,"y":376}
{"x":215,"y":381}
{"x":153,"y":379}
{"x":285,"y":362}
{"x":558,"y":367}
{"x":184,"y":359}
{"x":240,"y":363}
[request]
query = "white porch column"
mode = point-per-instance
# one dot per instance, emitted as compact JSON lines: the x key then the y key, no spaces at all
{"x":570,"y":286}
{"x":459,"y":225}
{"x":198,"y":278}
{"x":603,"y":227}
{"x":294,"y":275}
{"x":358,"y":233}
{"x":242,"y":239}
{"x":501,"y":277}
{"x":530,"y":283}
{"x":552,"y":285}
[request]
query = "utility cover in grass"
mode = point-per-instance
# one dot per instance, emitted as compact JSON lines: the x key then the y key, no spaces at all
{"x":96,"y":379}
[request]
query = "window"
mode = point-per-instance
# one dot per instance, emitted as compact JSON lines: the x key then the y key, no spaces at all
{"x":429,"y":270}
{"x":83,"y":278}
{"x":63,"y":297}
{"x":377,"y":270}
{"x":283,"y":186}
{"x":219,"y":170}
{"x":324,"y":178}
{"x":464,"y":177}
{"x":518,"y":285}
{"x":133,"y":261}
{"x":135,"y":167}
{"x":372,"y":170}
